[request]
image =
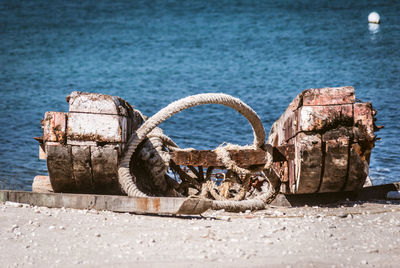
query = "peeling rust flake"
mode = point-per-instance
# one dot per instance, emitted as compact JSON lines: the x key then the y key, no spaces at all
{"x":328,"y":96}
{"x":156,"y":204}
{"x":142,"y":204}
{"x":54,"y":124}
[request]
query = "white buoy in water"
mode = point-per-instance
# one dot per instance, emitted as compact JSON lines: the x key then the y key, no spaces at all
{"x":374,"y":17}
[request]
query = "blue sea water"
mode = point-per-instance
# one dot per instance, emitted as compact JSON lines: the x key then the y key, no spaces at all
{"x":153,"y":52}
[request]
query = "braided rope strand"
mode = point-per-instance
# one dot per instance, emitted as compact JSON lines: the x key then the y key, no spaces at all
{"x":126,"y":179}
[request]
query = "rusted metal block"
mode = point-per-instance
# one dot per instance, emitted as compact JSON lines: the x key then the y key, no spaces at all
{"x":208,"y":158}
{"x":364,"y":120}
{"x":97,"y":127}
{"x":105,"y":169}
{"x":308,"y":163}
{"x":82,"y":170}
{"x":243,"y":158}
{"x":54,"y":124}
{"x":95,"y":130}
{"x":59,"y":166}
{"x":313,"y":110}
{"x":328,"y":96}
{"x":336,"y":151}
{"x":323,"y":111}
{"x":317,"y":118}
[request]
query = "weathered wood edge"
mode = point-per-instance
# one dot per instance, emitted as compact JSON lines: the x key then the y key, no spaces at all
{"x":371,"y":193}
{"x":146,"y":205}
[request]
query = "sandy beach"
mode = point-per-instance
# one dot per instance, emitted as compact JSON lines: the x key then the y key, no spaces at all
{"x":301,"y":94}
{"x":347,"y":235}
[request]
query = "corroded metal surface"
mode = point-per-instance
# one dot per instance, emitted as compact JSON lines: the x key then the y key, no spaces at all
{"x":156,"y":205}
{"x":328,"y":96}
{"x":364,"y":120}
{"x":152,"y":205}
{"x":320,"y":118}
{"x":54,"y":124}
{"x":243,"y":157}
{"x":321,"y":143}
{"x":83,"y":147}
{"x":342,"y":134}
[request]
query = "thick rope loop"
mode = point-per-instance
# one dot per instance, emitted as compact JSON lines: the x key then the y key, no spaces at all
{"x":126,"y":179}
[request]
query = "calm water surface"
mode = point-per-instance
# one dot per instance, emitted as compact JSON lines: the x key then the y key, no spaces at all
{"x":153,"y":52}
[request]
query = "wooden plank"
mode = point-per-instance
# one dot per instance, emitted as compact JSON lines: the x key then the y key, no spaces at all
{"x":358,"y":168}
{"x":308,"y":163}
{"x":151,"y":205}
{"x":54,"y":124}
{"x":244,"y":158}
{"x":378,"y":192}
{"x":59,"y":166}
{"x":82,"y":170}
{"x":370,"y":193}
{"x":336,"y":149}
{"x":104,"y":161}
{"x":97,"y":127}
{"x":155,"y":205}
{"x":328,"y":96}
